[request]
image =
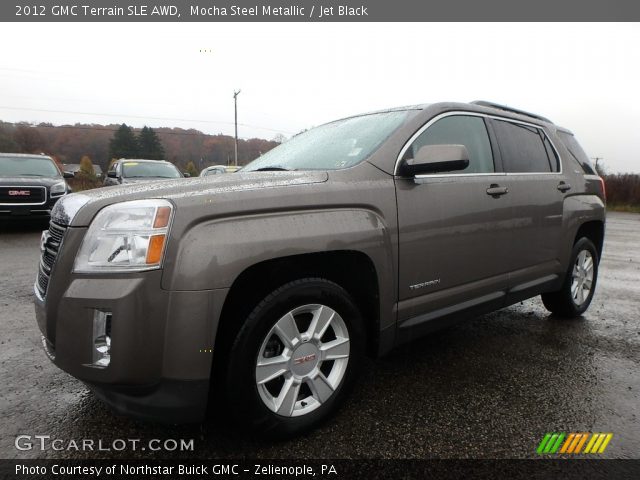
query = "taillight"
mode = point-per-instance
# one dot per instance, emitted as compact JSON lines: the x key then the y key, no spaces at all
{"x":604,"y":190}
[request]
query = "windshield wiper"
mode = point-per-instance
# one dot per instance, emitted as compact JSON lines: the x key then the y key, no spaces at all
{"x":272,"y":169}
{"x":148,"y":176}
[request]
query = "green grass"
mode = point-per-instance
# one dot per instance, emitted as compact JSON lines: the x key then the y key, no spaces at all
{"x":624,"y":208}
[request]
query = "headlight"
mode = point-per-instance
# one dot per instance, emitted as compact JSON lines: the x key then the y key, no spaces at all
{"x":127,"y":236}
{"x":58,"y":189}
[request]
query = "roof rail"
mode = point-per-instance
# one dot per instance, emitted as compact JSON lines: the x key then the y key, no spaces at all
{"x":483,"y":103}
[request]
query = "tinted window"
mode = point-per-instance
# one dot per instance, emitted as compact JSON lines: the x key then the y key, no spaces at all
{"x":28,"y":167}
{"x":576,"y":150}
{"x":522,"y":148}
{"x":459,"y":130}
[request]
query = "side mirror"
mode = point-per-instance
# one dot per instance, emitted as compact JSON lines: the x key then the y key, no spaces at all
{"x":186,"y":174}
{"x":67,"y":175}
{"x":112,"y":175}
{"x":436,"y":158}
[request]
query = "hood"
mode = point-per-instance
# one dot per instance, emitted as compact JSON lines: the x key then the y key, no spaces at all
{"x":78,"y":209}
{"x":30,"y":181}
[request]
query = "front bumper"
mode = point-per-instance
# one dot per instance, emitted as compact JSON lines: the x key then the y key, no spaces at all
{"x":170,"y":401}
{"x":161,"y":341}
{"x":17,"y":212}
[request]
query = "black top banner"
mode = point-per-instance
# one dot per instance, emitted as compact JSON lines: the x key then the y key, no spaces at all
{"x":316,"y":10}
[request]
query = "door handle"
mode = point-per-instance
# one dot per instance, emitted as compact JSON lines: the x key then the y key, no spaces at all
{"x":496,"y":190}
{"x":563,"y":187}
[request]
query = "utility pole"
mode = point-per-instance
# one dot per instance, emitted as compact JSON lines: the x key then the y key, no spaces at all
{"x":235,"y":105}
{"x":597,"y":166}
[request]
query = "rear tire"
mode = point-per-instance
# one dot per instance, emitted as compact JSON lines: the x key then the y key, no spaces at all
{"x":294,"y":359}
{"x":575,"y":296}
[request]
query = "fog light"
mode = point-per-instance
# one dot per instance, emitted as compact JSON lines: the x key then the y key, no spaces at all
{"x":101,"y":338}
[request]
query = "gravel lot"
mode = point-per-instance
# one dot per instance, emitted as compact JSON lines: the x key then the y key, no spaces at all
{"x":489,"y":388}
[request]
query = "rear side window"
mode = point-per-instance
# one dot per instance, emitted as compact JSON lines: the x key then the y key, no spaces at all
{"x":525,"y":149}
{"x":464,"y":130}
{"x":577,"y":152}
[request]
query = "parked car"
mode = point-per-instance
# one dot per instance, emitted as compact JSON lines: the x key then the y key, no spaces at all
{"x":218,"y":169}
{"x":140,"y":171}
{"x":75,"y":168}
{"x":266,"y":288}
{"x":30,"y":185}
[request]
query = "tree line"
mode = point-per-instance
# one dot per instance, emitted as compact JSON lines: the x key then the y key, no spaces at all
{"x":623,"y":191}
{"x":102,"y":143}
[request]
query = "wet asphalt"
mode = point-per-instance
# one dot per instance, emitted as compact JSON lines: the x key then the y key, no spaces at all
{"x":488,"y":388}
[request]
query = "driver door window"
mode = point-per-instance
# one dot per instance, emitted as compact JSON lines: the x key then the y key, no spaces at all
{"x":469,"y":131}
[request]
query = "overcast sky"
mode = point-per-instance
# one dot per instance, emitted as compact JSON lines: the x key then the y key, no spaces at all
{"x":585,"y":77}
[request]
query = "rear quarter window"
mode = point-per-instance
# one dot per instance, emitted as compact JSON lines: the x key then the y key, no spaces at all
{"x":577,"y":152}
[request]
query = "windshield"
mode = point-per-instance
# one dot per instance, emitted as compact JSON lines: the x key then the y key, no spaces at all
{"x":333,"y":146}
{"x":149,"y":169}
{"x":212,"y":171}
{"x":28,"y":166}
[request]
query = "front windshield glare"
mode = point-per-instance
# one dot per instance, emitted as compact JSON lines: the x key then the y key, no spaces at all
{"x":149,"y":169}
{"x":28,"y":166}
{"x":333,"y":146}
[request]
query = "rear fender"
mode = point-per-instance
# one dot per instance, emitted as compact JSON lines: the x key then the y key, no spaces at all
{"x":578,"y":210}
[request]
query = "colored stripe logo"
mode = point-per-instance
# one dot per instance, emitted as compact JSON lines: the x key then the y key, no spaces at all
{"x":574,"y":443}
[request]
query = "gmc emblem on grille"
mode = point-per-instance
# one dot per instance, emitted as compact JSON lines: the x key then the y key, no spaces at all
{"x":19,"y":193}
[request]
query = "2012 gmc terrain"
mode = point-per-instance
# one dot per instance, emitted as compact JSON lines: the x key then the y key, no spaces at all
{"x":265,"y":288}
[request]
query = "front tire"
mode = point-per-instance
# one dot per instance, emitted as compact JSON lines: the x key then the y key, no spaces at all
{"x":294,"y":359}
{"x":575,"y":296}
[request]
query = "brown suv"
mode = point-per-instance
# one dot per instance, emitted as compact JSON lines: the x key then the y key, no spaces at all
{"x":264,"y":289}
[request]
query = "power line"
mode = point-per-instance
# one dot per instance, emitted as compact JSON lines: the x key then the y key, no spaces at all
{"x":141,"y":117}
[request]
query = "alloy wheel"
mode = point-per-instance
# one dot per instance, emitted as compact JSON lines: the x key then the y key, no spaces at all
{"x":582,"y":277}
{"x":302,"y":360}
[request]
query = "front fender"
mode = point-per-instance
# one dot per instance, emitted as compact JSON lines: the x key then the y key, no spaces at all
{"x":214,"y":253}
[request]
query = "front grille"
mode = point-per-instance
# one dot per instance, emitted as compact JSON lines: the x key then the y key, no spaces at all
{"x":22,"y":195}
{"x":50,"y":250}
